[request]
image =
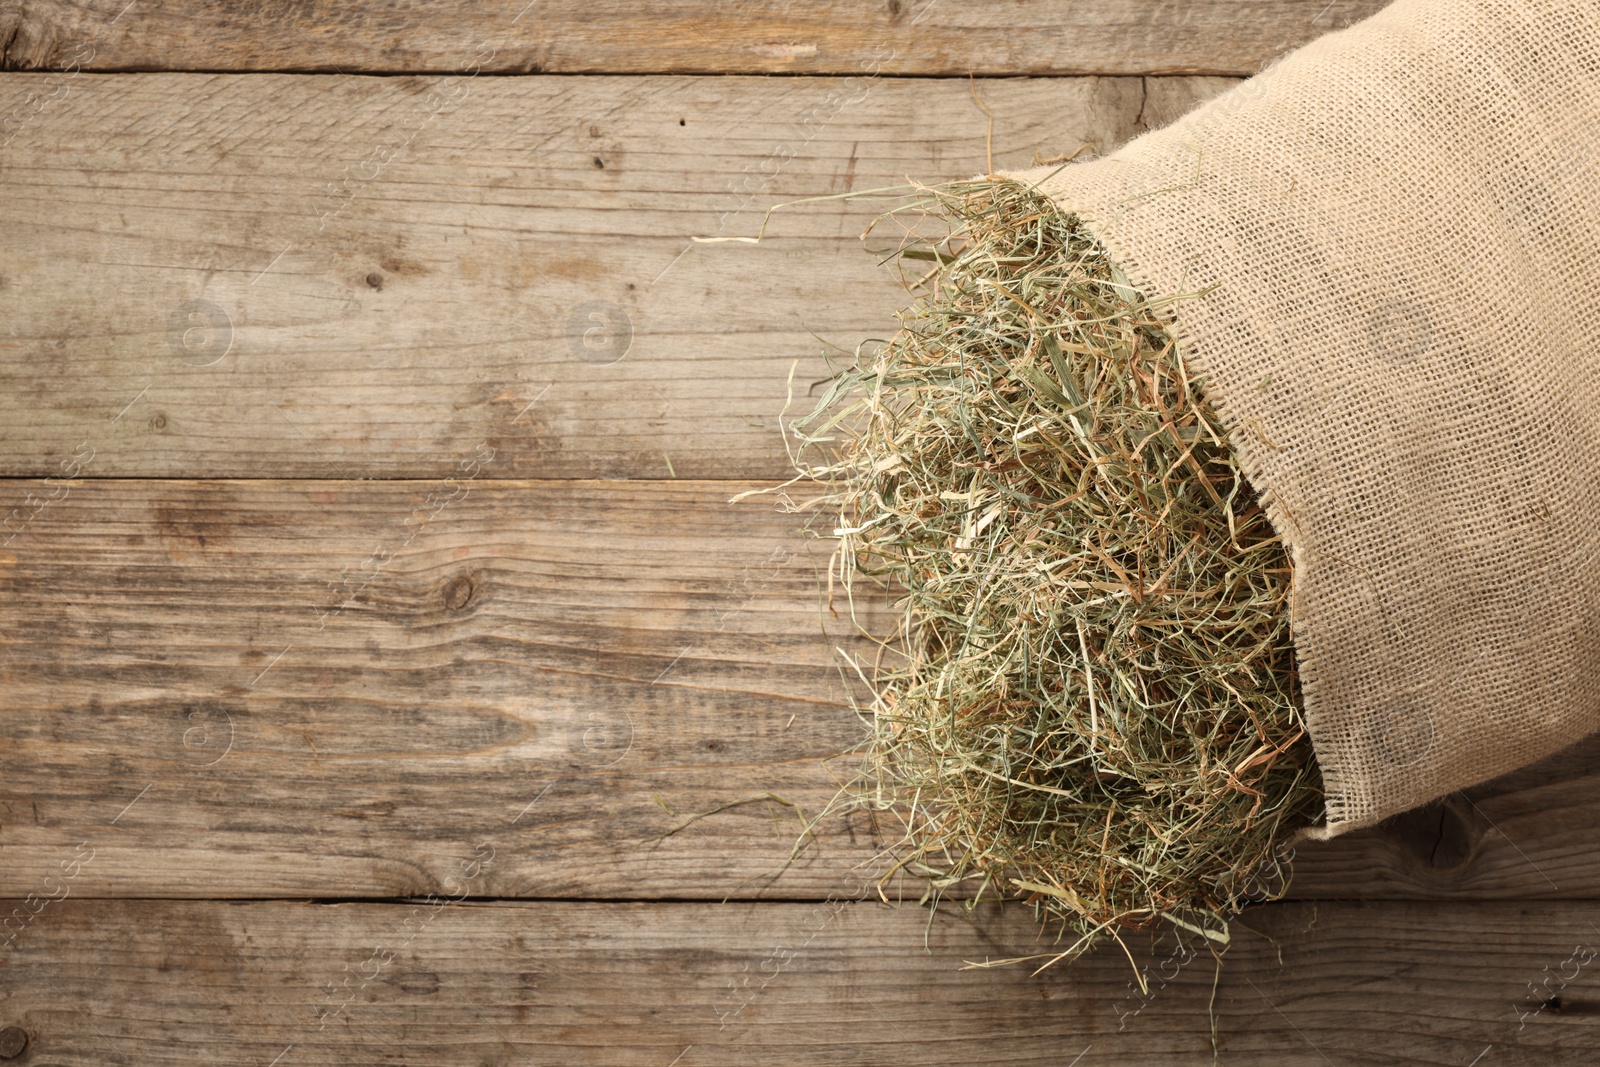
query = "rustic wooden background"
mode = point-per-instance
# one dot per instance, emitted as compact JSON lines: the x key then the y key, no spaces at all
{"x":374,"y":611}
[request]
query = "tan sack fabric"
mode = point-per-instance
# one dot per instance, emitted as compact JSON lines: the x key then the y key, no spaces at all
{"x":1396,"y":235}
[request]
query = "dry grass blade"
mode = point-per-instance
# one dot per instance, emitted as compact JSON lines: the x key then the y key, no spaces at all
{"x":1096,"y":706}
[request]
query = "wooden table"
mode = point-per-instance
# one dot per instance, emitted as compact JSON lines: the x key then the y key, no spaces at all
{"x":387,"y":676}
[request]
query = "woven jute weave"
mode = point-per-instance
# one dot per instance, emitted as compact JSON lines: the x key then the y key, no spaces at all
{"x":1387,"y":252}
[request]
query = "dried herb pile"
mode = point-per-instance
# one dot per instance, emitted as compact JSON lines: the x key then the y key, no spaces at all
{"x":1092,"y":703}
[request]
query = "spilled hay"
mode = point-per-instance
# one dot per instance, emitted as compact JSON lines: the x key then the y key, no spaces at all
{"x":1090,"y":701}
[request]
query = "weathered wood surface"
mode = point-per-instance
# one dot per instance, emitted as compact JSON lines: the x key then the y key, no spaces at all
{"x":664,"y":985}
{"x":306,"y":685}
{"x":327,"y":277}
{"x":323,"y":689}
{"x":950,"y":37}
{"x":283,"y":689}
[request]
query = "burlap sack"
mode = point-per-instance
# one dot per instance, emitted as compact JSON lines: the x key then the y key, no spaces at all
{"x":1396,"y":232}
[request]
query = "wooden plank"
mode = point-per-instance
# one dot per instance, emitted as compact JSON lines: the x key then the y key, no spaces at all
{"x":322,"y":689}
{"x":1528,"y":834}
{"x":951,"y":37}
{"x":1167,"y":99}
{"x":292,"y":688}
{"x":334,"y":277}
{"x":662,"y":985}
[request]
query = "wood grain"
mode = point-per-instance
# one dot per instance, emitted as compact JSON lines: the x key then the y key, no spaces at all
{"x":319,"y":688}
{"x":919,"y":37}
{"x":367,"y":277}
{"x":325,"y":689}
{"x":664,"y":985}
{"x":537,"y":724}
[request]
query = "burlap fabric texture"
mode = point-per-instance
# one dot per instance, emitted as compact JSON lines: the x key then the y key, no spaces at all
{"x":1393,"y":238}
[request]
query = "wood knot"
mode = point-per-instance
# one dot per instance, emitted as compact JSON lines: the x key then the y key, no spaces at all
{"x":13,"y":1041}
{"x":1442,"y":837}
{"x":457,"y":592}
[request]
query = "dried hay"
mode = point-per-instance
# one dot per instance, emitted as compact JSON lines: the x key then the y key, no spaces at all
{"x":1094,"y":705}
